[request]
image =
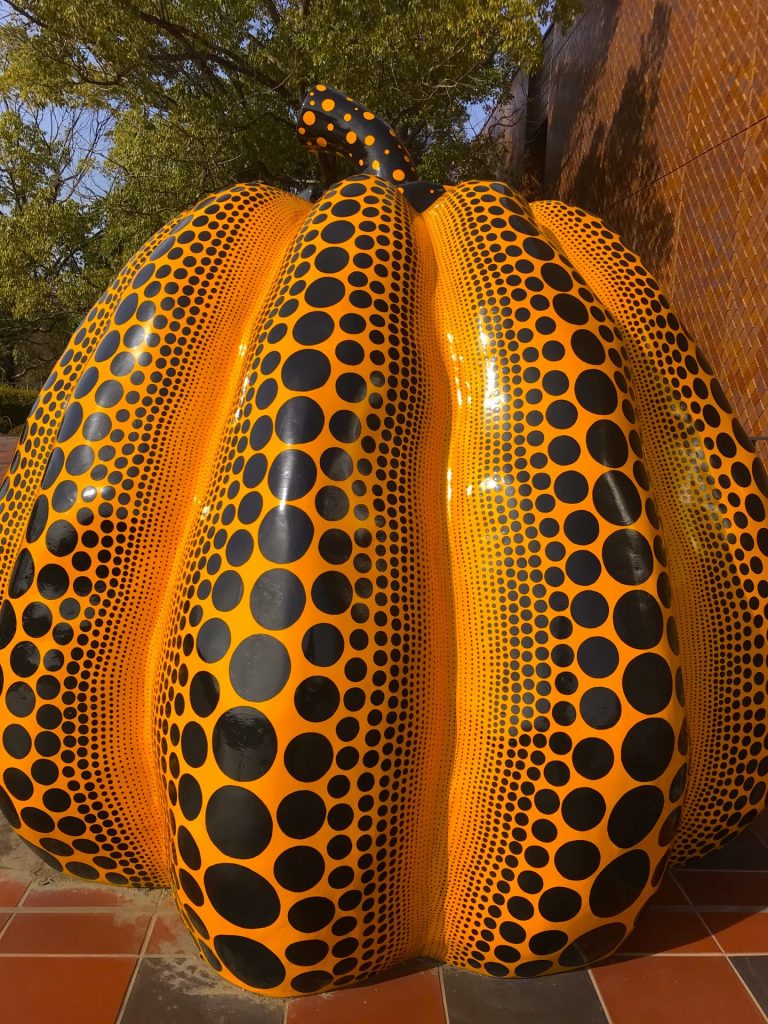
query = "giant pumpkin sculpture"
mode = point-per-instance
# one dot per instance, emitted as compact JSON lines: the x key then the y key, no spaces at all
{"x":358,"y":560}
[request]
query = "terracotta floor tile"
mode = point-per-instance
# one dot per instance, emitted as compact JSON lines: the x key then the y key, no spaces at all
{"x":669,"y":893}
{"x":671,"y":989}
{"x":183,"y":991}
{"x":169,"y":936}
{"x":75,"y":894}
{"x":12,"y":889}
{"x":754,"y":972}
{"x":75,"y":933}
{"x":747,"y":852}
{"x":725,"y":888}
{"x":3,"y":919}
{"x":669,"y":931}
{"x":411,"y":998}
{"x":555,"y":999}
{"x":63,"y":990}
{"x":737,"y":932}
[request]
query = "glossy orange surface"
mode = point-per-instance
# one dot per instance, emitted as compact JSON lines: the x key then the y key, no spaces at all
{"x":341,"y":560}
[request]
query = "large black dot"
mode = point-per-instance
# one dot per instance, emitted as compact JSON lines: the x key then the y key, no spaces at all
{"x":61,"y":538}
{"x":311,"y":914}
{"x":52,"y":581}
{"x":204,"y":693}
{"x":299,"y":868}
{"x":638,"y":619}
{"x":600,"y":707}
{"x":322,"y":644}
{"x":301,"y":814}
{"x":628,"y":557}
{"x":316,"y":698}
{"x":559,"y":904}
{"x":648,"y":683}
{"x":324,"y":292}
{"x":598,"y":657}
{"x":244,"y":744}
{"x":7,"y":623}
{"x":620,"y":884}
{"x":254,"y":964}
{"x":299,"y":420}
{"x":292,"y":475}
{"x":595,"y":392}
{"x":593,"y":758}
{"x":277,"y":599}
{"x":647,"y":749}
{"x":583,"y":809}
{"x":588,"y":347}
{"x":238,"y":823}
{"x":607,"y":444}
{"x":306,"y":370}
{"x":616,"y":498}
{"x":332,"y":592}
{"x":308,"y":756}
{"x":227,"y":591}
{"x":259,"y":667}
{"x":634,"y":815}
{"x":313,"y":328}
{"x":577,"y":859}
{"x":285,"y":534}
{"x":213,"y":640}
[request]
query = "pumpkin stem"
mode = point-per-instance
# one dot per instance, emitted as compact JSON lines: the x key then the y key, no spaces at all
{"x":330,"y":120}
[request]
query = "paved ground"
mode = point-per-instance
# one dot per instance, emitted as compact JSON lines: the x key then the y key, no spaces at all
{"x":79,"y":953}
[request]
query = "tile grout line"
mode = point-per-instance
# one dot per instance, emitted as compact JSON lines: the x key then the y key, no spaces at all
{"x":441,"y":978}
{"x":747,"y":989}
{"x":137,"y":965}
{"x":12,"y":911}
{"x":599,"y":995}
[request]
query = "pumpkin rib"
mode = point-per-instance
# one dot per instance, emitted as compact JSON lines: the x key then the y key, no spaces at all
{"x":94,"y":555}
{"x":712,"y":492}
{"x":548,"y":742}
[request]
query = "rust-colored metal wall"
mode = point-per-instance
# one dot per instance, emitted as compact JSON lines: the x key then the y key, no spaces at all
{"x":658,"y":122}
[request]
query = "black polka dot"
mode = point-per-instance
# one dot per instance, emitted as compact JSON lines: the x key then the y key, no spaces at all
{"x":638,"y":619}
{"x":313,"y":328}
{"x":292,"y":475}
{"x":244,"y":744}
{"x":227,"y":591}
{"x":628,"y":557}
{"x":299,"y":420}
{"x":600,"y":707}
{"x":332,"y":593}
{"x":336,"y":463}
{"x":648,"y":683}
{"x":595,"y":392}
{"x":213,"y":640}
{"x":647,"y":749}
{"x":259,"y":668}
{"x":311,"y":914}
{"x":300,"y":868}
{"x":616,"y":499}
{"x":607,"y":444}
{"x":204,"y":694}
{"x":306,"y":370}
{"x":324,"y":292}
{"x":598,"y":657}
{"x":316,"y":698}
{"x":620,"y":884}
{"x":277,"y":599}
{"x":322,"y":644}
{"x":592,"y":758}
{"x":238,"y":823}
{"x":285,"y":534}
{"x":250,"y":961}
{"x":583,"y":809}
{"x":577,"y":859}
{"x":301,"y":814}
{"x":635,"y":814}
{"x":308,"y":757}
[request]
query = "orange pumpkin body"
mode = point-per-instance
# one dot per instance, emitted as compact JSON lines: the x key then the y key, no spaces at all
{"x":341,"y":560}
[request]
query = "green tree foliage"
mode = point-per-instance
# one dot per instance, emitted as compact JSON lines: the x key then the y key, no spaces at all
{"x":185,"y":96}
